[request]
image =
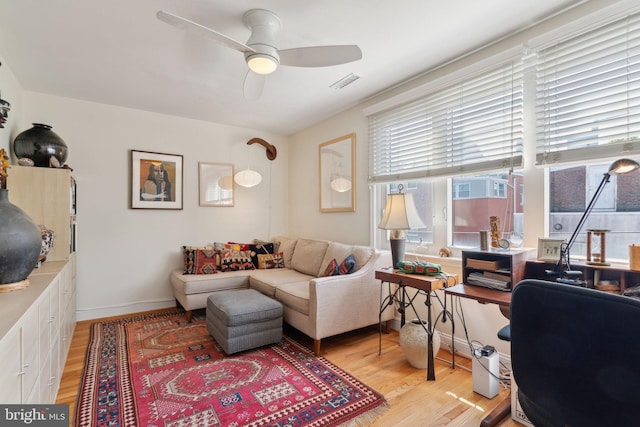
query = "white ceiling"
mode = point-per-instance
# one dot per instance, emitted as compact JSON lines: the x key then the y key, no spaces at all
{"x":117,"y":52}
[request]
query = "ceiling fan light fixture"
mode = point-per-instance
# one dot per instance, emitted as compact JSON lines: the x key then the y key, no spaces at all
{"x":262,"y":64}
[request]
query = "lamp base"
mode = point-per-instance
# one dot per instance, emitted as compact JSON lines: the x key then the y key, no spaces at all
{"x":397,"y":250}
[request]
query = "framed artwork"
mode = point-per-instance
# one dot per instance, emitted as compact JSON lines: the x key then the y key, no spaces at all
{"x":337,"y":174}
{"x":549,"y":249}
{"x":156,"y":180}
{"x":215,"y":184}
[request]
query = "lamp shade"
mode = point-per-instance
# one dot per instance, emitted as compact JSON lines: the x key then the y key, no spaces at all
{"x":248,"y":178}
{"x":400,"y":213}
{"x":622,"y":166}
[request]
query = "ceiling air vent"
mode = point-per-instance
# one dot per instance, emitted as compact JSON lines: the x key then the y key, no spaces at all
{"x":345,"y":81}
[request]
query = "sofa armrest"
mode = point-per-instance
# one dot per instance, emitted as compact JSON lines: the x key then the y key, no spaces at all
{"x":343,"y":303}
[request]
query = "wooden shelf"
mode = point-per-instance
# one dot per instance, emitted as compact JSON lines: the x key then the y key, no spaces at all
{"x":593,"y":274}
{"x":505,"y":266}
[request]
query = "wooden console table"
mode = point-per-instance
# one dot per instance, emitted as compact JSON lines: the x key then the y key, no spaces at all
{"x":424,"y":286}
{"x":503,"y":300}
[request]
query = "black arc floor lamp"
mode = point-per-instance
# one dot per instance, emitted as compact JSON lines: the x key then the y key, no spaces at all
{"x":563,"y":267}
{"x":399,"y":215}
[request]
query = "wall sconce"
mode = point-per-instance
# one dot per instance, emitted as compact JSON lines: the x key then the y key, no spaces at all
{"x":249,"y":177}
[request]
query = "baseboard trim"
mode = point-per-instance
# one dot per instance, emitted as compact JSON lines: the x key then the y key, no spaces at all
{"x":461,"y":345}
{"x":123,"y":309}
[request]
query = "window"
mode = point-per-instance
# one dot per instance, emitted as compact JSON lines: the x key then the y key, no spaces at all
{"x":422,"y":192}
{"x":465,"y":132}
{"x":491,"y":195}
{"x":589,"y":110}
{"x":587,"y":92}
{"x":473,"y":125}
{"x":571,"y":188}
{"x":461,"y":190}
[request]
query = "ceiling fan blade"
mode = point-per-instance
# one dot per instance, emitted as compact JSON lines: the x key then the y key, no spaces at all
{"x":319,"y":56}
{"x":254,"y":85}
{"x":185,"y":24}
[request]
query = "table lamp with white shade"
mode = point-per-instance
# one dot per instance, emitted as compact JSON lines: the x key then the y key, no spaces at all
{"x":399,"y":215}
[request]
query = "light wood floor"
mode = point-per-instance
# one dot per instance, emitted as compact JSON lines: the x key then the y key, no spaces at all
{"x":414,"y":402}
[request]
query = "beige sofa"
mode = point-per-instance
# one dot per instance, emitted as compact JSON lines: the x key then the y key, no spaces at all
{"x":318,"y":306}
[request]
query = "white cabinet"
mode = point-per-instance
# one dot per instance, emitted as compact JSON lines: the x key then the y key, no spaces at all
{"x":19,"y":359}
{"x":35,"y":332}
{"x":10,"y":379}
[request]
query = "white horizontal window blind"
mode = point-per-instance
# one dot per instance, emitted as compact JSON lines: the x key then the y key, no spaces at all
{"x":469,"y":127}
{"x":588,"y":95}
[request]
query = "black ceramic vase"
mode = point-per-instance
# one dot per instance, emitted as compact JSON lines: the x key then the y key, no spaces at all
{"x":21,"y":242}
{"x":40,"y":143}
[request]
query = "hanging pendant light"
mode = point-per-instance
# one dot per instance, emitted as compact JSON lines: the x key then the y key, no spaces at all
{"x":251,"y":178}
{"x":248,"y":178}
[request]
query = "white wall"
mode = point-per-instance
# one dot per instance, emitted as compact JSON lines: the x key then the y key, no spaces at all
{"x":11,"y":91}
{"x":125,"y":255}
{"x":305,"y":218}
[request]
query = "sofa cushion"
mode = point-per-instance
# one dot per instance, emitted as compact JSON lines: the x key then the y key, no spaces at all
{"x":286,"y":246}
{"x":268,"y":261}
{"x":199,"y":260}
{"x":294,"y":295}
{"x":266,"y":281}
{"x":308,"y":255}
{"x":337,"y":251}
{"x":188,"y":284}
{"x":340,"y":251}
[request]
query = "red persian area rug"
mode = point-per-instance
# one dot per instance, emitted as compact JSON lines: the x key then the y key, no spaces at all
{"x":159,"y":370}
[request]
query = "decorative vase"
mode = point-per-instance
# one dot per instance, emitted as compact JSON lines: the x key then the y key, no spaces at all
{"x":39,"y":144}
{"x":414,"y":341}
{"x":21,"y":243}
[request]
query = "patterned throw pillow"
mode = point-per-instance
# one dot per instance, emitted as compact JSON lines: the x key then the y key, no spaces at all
{"x":259,"y":249}
{"x":235,"y":246}
{"x":269,"y":261}
{"x":347,"y":266}
{"x":332,"y":268}
{"x":235,"y":261}
{"x":200,"y":260}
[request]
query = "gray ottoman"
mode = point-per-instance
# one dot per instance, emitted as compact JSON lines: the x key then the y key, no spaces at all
{"x":243,"y":319}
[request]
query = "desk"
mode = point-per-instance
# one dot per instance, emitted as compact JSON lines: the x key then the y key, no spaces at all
{"x":503,"y":300}
{"x":424,"y":285}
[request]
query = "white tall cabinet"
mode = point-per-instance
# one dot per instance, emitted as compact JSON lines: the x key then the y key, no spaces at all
{"x":35,"y":333}
{"x":37,"y":323}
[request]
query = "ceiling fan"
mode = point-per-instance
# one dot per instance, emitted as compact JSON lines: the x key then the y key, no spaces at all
{"x":261,"y":52}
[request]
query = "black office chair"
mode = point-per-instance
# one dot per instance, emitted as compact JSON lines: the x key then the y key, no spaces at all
{"x":575,"y":354}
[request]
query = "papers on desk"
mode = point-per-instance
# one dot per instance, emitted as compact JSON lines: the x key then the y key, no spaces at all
{"x":491,"y":281}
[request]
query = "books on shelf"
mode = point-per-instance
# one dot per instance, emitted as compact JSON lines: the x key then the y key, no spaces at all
{"x":490,"y":280}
